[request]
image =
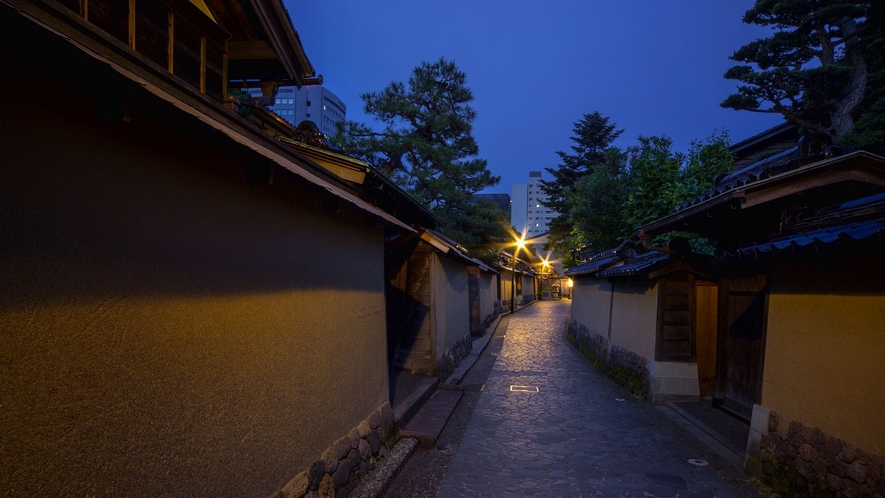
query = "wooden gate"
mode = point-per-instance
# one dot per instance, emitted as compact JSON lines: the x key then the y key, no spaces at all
{"x":743,"y":316}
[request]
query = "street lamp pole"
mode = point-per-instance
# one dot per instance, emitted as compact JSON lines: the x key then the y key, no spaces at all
{"x":519,"y":244}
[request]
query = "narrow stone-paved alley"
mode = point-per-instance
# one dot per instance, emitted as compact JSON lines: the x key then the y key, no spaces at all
{"x":548,"y":424}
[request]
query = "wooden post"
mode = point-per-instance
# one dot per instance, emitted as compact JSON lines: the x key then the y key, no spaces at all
{"x":84,"y":9}
{"x":171,"y":48}
{"x":203,"y":64}
{"x":132,"y":24}
{"x":224,"y":95}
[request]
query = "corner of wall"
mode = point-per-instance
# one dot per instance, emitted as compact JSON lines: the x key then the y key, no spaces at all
{"x":672,"y":381}
{"x":758,"y":427}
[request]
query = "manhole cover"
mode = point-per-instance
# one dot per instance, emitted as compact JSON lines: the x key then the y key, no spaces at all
{"x":698,"y":462}
{"x":524,"y":389}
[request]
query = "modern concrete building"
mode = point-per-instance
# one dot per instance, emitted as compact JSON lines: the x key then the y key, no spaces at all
{"x":529,"y":214}
{"x":500,"y":200}
{"x":310,"y":103}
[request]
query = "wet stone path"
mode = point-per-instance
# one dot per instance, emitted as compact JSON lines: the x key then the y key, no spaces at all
{"x":548,"y":424}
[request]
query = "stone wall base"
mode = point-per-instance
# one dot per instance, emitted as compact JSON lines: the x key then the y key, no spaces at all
{"x":453,"y":356}
{"x":608,"y":355}
{"x":347,"y":460}
{"x":488,"y":320}
{"x":792,"y":457}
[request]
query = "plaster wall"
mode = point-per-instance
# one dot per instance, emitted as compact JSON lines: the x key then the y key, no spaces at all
{"x":591,"y":299}
{"x":634,"y":317}
{"x":507,"y":293}
{"x":451,"y":302}
{"x":528,"y":285}
{"x":168,"y":328}
{"x":488,"y":293}
{"x":825,"y":348}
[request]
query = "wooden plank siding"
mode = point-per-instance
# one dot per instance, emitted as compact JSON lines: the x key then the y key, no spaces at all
{"x":675,"y":336}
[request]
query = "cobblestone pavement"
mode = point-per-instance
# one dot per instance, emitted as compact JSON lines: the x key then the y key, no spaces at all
{"x":578,"y":435}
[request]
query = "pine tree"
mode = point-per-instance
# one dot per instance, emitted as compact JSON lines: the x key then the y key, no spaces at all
{"x":812,"y":70}
{"x":427,"y":147}
{"x":593,"y":135}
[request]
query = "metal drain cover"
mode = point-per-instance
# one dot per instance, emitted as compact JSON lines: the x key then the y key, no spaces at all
{"x":525,"y":389}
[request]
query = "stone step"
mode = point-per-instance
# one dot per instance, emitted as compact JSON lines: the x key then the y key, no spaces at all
{"x":428,"y":423}
{"x":404,"y":411}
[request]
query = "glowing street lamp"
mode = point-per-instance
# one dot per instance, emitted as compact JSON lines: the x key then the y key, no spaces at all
{"x":520,"y":243}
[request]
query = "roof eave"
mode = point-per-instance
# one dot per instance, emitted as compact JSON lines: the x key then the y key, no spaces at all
{"x":666,"y":224}
{"x":284,"y":39}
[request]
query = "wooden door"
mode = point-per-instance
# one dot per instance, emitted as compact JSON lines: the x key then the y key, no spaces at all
{"x":743,"y":324}
{"x":705,"y":319}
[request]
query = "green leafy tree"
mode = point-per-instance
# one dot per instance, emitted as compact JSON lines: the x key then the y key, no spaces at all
{"x":646,"y":182}
{"x":426,"y":146}
{"x":593,"y":135}
{"x":596,"y":206}
{"x":655,"y":181}
{"x":812,"y":70}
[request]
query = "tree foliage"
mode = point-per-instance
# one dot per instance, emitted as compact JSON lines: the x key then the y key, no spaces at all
{"x":596,"y":207}
{"x":812,"y":70}
{"x":869,"y":128}
{"x":593,"y":135}
{"x":645,"y":182}
{"x":426,"y":146}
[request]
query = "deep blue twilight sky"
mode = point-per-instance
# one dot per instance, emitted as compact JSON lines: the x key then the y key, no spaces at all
{"x":653,"y":66}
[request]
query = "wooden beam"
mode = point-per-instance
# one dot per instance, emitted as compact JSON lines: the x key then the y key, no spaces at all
{"x":250,"y":50}
{"x":170,"y":49}
{"x":132,"y":24}
{"x":796,"y":186}
{"x":84,"y":9}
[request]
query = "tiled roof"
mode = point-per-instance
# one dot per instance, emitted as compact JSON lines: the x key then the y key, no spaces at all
{"x":607,"y":264}
{"x":855,"y":231}
{"x":635,"y":266}
{"x":760,"y":170}
{"x":593,"y":266}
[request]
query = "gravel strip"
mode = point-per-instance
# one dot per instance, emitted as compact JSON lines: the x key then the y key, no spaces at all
{"x":376,"y":481}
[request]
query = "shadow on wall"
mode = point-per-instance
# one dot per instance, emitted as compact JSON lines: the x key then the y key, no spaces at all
{"x":91,"y":208}
{"x":406,"y":317}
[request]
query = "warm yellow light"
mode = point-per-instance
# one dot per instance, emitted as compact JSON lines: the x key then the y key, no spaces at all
{"x":570,"y":283}
{"x":520,"y":243}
